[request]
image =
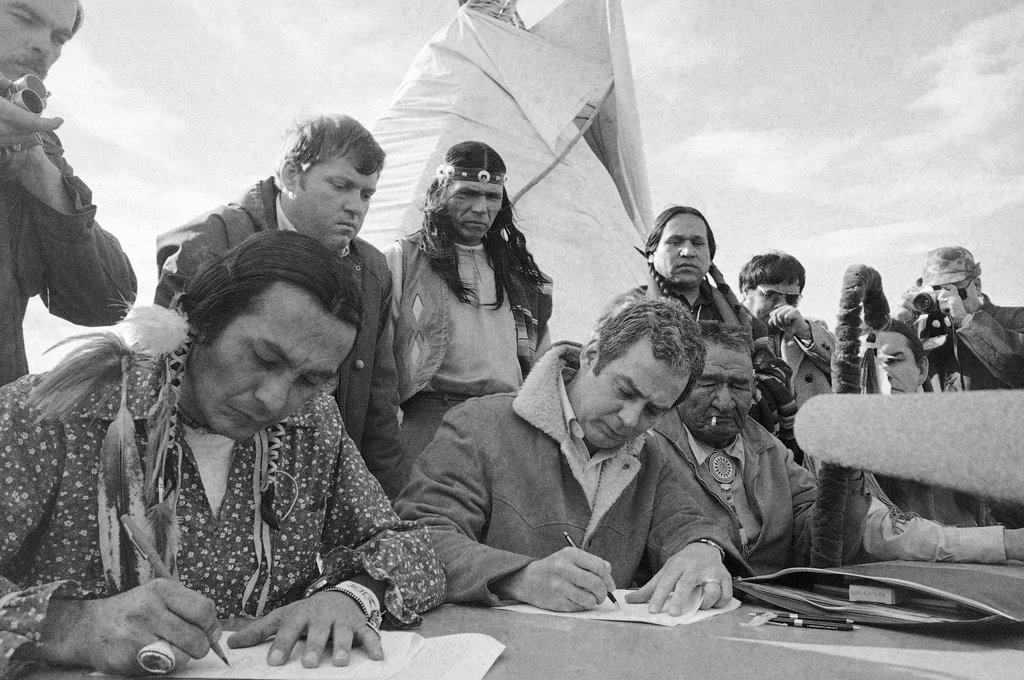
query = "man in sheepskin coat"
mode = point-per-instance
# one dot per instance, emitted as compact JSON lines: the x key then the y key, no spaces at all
{"x":511,"y":478}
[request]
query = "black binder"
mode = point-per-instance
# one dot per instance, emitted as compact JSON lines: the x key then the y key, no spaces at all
{"x":915,"y":593}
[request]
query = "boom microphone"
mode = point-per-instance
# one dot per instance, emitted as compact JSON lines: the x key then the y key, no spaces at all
{"x":969,"y":441}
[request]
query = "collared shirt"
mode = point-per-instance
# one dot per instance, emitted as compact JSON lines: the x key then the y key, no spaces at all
{"x":741,"y":504}
{"x":589,"y":468}
{"x":704,"y":300}
{"x":283,"y":223}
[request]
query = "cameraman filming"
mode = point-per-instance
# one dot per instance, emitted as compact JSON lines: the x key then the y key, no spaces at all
{"x":972,"y":344}
{"x":50,"y":244}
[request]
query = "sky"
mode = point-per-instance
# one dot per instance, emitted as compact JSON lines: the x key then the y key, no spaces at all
{"x":839,"y":132}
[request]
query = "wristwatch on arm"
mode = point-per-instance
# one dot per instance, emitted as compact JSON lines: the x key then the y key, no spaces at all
{"x":708,"y":541}
{"x":363,"y":596}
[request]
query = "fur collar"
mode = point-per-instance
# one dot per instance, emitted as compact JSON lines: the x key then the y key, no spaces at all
{"x":539,"y":404}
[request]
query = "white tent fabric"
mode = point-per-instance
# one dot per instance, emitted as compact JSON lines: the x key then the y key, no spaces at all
{"x":528,"y":94}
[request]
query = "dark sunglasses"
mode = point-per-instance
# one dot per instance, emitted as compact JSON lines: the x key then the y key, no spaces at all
{"x":775,"y":296}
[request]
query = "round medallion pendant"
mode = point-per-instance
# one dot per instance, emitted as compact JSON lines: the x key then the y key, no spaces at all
{"x":721,"y":467}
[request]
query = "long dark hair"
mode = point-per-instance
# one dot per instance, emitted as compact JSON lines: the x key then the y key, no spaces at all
{"x":504,"y":244}
{"x":230,"y":285}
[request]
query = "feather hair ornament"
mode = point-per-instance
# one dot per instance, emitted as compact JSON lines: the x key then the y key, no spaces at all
{"x":91,"y":375}
{"x":119,"y":492}
{"x":862,"y":288}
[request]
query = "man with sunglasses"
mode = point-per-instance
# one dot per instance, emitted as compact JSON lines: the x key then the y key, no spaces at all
{"x":772,"y":284}
{"x":984,"y":346}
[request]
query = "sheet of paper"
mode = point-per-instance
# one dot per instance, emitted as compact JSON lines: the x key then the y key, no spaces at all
{"x":407,"y":656}
{"x":399,"y":649}
{"x":466,"y":656}
{"x":634,"y":613}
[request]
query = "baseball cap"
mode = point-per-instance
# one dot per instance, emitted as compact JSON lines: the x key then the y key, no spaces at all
{"x":950,"y":264}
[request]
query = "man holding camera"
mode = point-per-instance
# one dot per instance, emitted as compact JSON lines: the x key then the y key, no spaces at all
{"x":772,"y":285}
{"x":50,"y":244}
{"x":972,"y":344}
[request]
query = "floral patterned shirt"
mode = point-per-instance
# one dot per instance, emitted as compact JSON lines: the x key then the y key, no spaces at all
{"x":49,"y":541}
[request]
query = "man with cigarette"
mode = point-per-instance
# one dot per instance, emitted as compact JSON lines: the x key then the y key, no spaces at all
{"x":745,"y":479}
{"x":741,"y":476}
{"x":50,"y":244}
{"x":509,"y":477}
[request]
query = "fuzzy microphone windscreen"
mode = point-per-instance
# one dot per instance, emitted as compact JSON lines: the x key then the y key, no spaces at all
{"x":972,"y":441}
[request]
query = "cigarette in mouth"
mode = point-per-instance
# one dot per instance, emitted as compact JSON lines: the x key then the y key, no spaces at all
{"x":714,"y":420}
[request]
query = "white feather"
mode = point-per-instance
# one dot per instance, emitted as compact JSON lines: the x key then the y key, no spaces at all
{"x":153,"y":329}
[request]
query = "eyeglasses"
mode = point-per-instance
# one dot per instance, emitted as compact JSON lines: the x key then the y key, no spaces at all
{"x":776,"y":296}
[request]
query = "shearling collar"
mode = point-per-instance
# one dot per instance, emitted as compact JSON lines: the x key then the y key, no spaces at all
{"x":539,"y":404}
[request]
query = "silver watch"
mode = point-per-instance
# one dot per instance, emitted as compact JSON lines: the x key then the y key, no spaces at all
{"x":364,"y":597}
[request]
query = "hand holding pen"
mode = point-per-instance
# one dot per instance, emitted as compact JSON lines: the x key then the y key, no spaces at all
{"x":567,"y":580}
{"x":158,"y":657}
{"x":572,"y":544}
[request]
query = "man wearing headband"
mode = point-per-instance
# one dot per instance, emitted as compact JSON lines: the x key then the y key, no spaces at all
{"x":470,"y":305}
{"x":326,"y":176}
{"x":50,"y":244}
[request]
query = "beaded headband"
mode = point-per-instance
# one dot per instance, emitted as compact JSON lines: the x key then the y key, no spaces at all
{"x":454,"y":172}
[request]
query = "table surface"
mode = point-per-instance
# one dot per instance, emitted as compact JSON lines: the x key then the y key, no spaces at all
{"x":557,"y":647}
{"x":538,"y":646}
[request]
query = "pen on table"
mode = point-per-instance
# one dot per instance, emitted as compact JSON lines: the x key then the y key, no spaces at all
{"x":568,"y":539}
{"x":146,"y":549}
{"x":810,"y":617}
{"x":820,"y":625}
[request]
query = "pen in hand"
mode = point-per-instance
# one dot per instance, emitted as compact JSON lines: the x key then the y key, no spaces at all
{"x":568,"y":539}
{"x":146,"y":549}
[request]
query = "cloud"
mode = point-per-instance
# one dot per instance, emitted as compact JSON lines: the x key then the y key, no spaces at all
{"x":979,"y":81}
{"x":115,"y":112}
{"x":775,"y":162}
{"x":910,"y":238}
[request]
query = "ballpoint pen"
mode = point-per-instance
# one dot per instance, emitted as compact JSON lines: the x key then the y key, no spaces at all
{"x":803,"y":623}
{"x":572,"y":544}
{"x":823,"y":618}
{"x":146,"y":549}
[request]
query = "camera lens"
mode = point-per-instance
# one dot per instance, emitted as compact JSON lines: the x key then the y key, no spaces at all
{"x":925,"y":302}
{"x":28,"y":100}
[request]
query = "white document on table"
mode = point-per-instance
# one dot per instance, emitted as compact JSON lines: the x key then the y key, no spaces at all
{"x":633,"y":613}
{"x":407,"y":656}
